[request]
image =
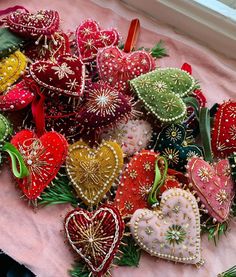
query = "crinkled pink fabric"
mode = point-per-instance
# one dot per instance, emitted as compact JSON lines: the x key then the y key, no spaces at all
{"x":34,"y":238}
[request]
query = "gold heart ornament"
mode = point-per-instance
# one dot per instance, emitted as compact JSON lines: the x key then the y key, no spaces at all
{"x":93,"y":171}
{"x":11,"y":68}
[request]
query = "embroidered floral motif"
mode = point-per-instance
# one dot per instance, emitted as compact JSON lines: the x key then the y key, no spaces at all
{"x":172,"y":155}
{"x":232,"y":132}
{"x":62,"y":70}
{"x":175,"y":234}
{"x":147,"y":166}
{"x":133,"y":174}
{"x":205,"y":174}
{"x":149,"y":230}
{"x":144,"y":191}
{"x":129,"y":206}
{"x":173,"y":133}
{"x":222,"y":196}
{"x":160,"y":86}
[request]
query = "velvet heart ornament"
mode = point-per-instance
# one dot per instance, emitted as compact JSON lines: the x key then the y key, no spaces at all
{"x":34,"y":25}
{"x":162,"y":90}
{"x":224,"y":130}
{"x":90,"y":38}
{"x":103,"y":106}
{"x":11,"y":68}
{"x":118,"y":68}
{"x":213,"y":185}
{"x":43,"y":157}
{"x":93,"y":172}
{"x":173,"y":231}
{"x":63,"y":76}
{"x":172,"y":144}
{"x":95,"y":236}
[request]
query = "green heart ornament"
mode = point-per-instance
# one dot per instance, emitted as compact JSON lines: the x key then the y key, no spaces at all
{"x":5,"y":128}
{"x":162,"y":91}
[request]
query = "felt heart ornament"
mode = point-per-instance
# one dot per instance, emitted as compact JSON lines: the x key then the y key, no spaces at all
{"x":17,"y":97}
{"x":43,"y":157}
{"x":137,"y":180}
{"x":118,"y":68}
{"x":213,"y":185}
{"x":103,"y":106}
{"x":224,"y":130}
{"x":63,"y":76}
{"x":95,"y":236}
{"x":133,"y":135}
{"x":173,"y":231}
{"x":5,"y":128}
{"x":162,"y":90}
{"x":11,"y":68}
{"x":90,"y":38}
{"x":93,"y":172}
{"x":172,"y":144}
{"x":33,"y":25}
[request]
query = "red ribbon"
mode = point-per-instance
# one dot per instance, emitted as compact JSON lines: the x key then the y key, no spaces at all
{"x":132,"y":35}
{"x":187,"y":67}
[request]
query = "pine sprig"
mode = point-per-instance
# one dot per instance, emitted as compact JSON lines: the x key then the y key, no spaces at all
{"x":228,"y":273}
{"x":159,"y":50}
{"x":214,"y":230}
{"x":80,"y":270}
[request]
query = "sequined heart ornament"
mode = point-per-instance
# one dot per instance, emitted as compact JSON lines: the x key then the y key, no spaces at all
{"x":173,"y":231}
{"x":118,"y":68}
{"x":162,"y":92}
{"x":95,"y":236}
{"x":93,"y":172}
{"x":224,"y":130}
{"x":43,"y":157}
{"x":213,"y":185}
{"x":172,"y":144}
{"x":90,"y":38}
{"x":11,"y":68}
{"x":63,"y":76}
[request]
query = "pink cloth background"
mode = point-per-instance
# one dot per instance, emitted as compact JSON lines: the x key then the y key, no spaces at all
{"x":35,"y":238}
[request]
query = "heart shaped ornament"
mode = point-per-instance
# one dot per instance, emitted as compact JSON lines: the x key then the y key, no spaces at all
{"x":213,"y":185}
{"x":34,"y":25}
{"x":224,"y":130}
{"x":133,"y":135}
{"x":93,"y":172}
{"x":90,"y":38}
{"x":64,"y":76}
{"x":5,"y":128}
{"x":118,"y":68}
{"x":162,"y":90}
{"x":43,"y":156}
{"x":173,"y":231}
{"x":11,"y":68}
{"x":95,"y":236}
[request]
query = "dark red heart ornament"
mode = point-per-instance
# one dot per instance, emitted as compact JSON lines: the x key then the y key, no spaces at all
{"x":34,"y":25}
{"x":95,"y":236}
{"x":118,"y":68}
{"x":64,"y":75}
{"x":90,"y":38}
{"x":43,"y":156}
{"x":224,"y":130}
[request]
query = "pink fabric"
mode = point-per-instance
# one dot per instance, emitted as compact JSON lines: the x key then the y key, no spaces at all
{"x":35,"y":238}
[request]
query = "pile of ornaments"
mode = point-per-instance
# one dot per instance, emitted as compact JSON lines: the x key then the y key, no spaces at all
{"x":96,"y":123}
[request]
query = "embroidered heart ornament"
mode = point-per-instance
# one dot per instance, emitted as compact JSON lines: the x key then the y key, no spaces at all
{"x":224,"y":130}
{"x":43,"y":156}
{"x":118,"y":68}
{"x":5,"y":128}
{"x":63,"y":76}
{"x":95,"y":236}
{"x":213,"y":185}
{"x":162,"y":90}
{"x":173,"y":231}
{"x":11,"y":68}
{"x":90,"y":38}
{"x":33,"y":25}
{"x":93,"y":172}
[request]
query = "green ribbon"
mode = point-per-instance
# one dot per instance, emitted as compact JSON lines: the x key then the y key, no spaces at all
{"x":16,"y":161}
{"x":191,"y":101}
{"x":228,"y":273}
{"x":158,"y":182}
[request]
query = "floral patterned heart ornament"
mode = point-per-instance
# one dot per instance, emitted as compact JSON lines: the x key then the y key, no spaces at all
{"x":93,"y":172}
{"x":64,"y":75}
{"x":95,"y":236}
{"x":171,"y":232}
{"x":90,"y":38}
{"x":162,"y":91}
{"x":43,"y":156}
{"x":213,"y":185}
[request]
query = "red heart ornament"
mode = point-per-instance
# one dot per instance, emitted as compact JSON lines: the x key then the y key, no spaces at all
{"x":64,"y":75}
{"x":43,"y":157}
{"x":95,"y":236}
{"x":213,"y":185}
{"x":33,"y":25}
{"x":224,"y":130}
{"x":90,"y":38}
{"x":118,"y":68}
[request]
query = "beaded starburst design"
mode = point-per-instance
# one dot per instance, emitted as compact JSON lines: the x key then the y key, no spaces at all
{"x":175,"y":234}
